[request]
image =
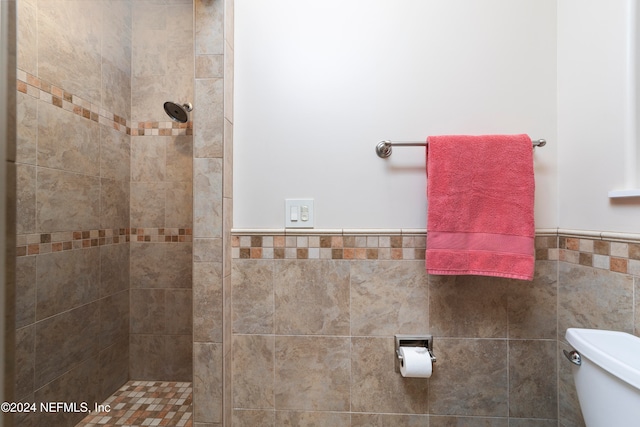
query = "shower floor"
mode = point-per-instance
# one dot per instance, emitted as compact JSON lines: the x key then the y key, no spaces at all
{"x":145,"y":403}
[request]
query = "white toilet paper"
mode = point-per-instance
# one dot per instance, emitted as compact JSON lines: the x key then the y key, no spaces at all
{"x":415,"y":363}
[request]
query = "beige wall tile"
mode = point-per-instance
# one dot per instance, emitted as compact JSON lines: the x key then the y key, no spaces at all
{"x":114,"y":319}
{"x":470,"y":378}
{"x":67,"y":201}
{"x":593,"y":298}
{"x":27,"y":128}
{"x":533,"y":377}
{"x":114,"y":203}
{"x":114,"y":269}
{"x":209,"y":16}
{"x":25,"y":291}
{"x":148,"y":310}
{"x":309,"y":419}
{"x":207,"y":250}
{"x":312,"y":373}
{"x":383,"y":420}
{"x":389,"y":298}
{"x":179,"y":151}
{"x":311,"y":297}
{"x":27,"y":34}
{"x":207,"y":198}
{"x":24,"y":362}
{"x":209,"y":66}
{"x":208,"y":118}
{"x":148,"y":158}
{"x":450,"y":421}
{"x":71,"y":59}
{"x":375,"y":385}
{"x":26,"y":199}
{"x":468,"y":306}
{"x":178,"y":208}
{"x":252,"y":418}
{"x":114,"y":367}
{"x":161,"y":265}
{"x":66,"y":280}
{"x":64,"y":341}
{"x":178,"y":312}
{"x":207,"y":381}
{"x":253,"y":297}
{"x":115,"y":156}
{"x":253,"y":371}
{"x":148,"y":200}
{"x":207,"y":302}
{"x":533,"y":305}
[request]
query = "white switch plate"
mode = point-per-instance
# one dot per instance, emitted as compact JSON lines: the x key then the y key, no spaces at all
{"x":299,"y":208}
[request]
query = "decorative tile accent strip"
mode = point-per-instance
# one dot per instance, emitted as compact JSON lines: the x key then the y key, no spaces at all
{"x":617,"y":256}
{"x":41,"y":243}
{"x":350,"y":245}
{"x":40,"y":89}
{"x":146,"y":403}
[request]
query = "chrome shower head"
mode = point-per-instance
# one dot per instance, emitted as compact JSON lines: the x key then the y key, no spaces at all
{"x":178,"y":113}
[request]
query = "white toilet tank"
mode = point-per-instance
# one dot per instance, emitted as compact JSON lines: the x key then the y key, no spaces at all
{"x":608,"y":377}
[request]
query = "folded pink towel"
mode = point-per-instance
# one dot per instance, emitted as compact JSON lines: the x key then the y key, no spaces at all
{"x":480,"y":192}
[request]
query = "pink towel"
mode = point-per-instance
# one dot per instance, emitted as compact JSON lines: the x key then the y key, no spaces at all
{"x":480,"y":192}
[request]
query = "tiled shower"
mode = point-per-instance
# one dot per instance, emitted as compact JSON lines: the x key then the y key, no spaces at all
{"x":106,"y":228}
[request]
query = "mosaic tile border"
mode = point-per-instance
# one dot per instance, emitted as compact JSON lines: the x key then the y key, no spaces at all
{"x":42,"y":243}
{"x":146,"y":403}
{"x":617,"y":253}
{"x":37,"y":88}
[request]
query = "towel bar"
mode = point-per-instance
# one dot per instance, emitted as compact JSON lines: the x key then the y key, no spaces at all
{"x":383,"y":149}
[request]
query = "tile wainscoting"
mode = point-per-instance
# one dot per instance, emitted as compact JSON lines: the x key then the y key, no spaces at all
{"x":314,"y":314}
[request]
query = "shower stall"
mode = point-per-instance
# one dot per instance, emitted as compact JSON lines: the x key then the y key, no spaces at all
{"x":122,"y":222}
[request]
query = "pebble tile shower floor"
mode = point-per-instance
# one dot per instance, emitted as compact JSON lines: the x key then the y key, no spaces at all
{"x":146,"y":403}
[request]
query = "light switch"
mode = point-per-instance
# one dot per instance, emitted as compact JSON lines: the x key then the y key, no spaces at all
{"x":298,"y":213}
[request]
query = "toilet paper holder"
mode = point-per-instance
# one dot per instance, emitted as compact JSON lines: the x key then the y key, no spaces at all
{"x":413,"y":341}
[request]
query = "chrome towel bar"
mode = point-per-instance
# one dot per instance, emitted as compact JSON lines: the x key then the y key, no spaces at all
{"x":383,"y":149}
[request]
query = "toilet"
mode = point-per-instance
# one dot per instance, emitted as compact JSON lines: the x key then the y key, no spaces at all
{"x":606,"y":371}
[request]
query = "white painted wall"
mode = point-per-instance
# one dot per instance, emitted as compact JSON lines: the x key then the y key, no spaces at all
{"x":596,"y":79}
{"x":318,"y":84}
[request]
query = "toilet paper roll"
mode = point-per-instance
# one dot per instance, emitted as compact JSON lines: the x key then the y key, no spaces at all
{"x":415,"y":363}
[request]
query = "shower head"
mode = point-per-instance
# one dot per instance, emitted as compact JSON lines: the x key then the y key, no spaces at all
{"x":178,"y":113}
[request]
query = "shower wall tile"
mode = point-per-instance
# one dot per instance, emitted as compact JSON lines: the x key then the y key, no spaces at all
{"x":469,"y":306}
{"x":161,"y":265}
{"x":207,"y":250}
{"x":228,"y":161}
{"x":209,"y":18}
{"x":593,"y":298}
{"x":67,"y":141}
{"x":376,"y":387}
{"x":471,"y":379}
{"x":115,"y":157}
{"x":209,"y":66}
{"x":207,"y":302}
{"x":67,"y":201}
{"x":27,"y":34}
{"x":207,"y":381}
{"x":66,"y":280}
{"x":311,"y":297}
{"x":148,"y":200}
{"x":207,"y":197}
{"x":312,"y":373}
{"x":117,"y":34}
{"x":208,"y":135}
{"x":116,"y":89}
{"x":114,"y":203}
{"x":27,"y":128}
{"x":114,"y":319}
{"x":389,"y":297}
{"x":64,"y":340}
{"x":71,"y":59}
{"x":228,"y":81}
{"x":148,"y":158}
{"x":26,"y":198}
{"x":25,"y":291}
{"x":114,"y":269}
{"x":179,"y":151}
{"x":179,"y":210}
{"x":25,"y":361}
{"x":533,"y":379}
{"x":178,"y":312}
{"x":148,"y":311}
{"x":114,"y":367}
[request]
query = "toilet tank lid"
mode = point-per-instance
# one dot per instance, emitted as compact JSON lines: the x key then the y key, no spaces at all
{"x":616,"y":352}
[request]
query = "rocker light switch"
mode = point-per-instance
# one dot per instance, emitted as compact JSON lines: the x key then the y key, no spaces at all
{"x":298,"y":213}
